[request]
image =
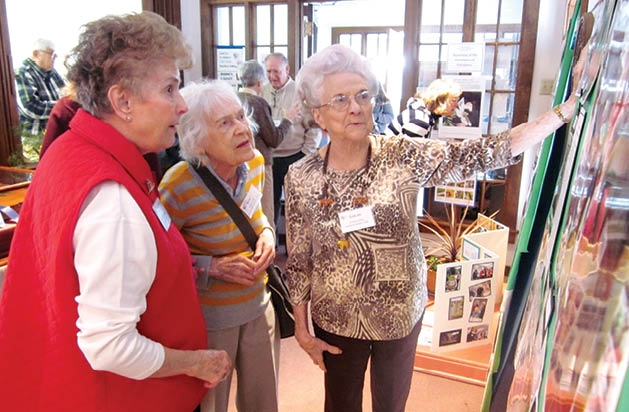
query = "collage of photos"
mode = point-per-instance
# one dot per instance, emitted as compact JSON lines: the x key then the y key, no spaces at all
{"x":461,"y":193}
{"x":469,"y":296}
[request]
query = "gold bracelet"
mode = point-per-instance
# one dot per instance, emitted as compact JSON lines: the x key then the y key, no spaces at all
{"x":561,"y":116}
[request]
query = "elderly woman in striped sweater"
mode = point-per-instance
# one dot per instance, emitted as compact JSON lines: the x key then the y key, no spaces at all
{"x":215,"y":134}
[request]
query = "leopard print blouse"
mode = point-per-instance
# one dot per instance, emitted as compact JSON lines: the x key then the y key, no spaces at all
{"x":371,"y":283}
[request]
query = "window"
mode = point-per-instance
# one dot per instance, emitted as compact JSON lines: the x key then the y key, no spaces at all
{"x":230,"y":26}
{"x":271,"y":30}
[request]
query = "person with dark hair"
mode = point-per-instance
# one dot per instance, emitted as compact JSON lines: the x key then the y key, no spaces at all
{"x":113,"y":321}
{"x":59,"y":121}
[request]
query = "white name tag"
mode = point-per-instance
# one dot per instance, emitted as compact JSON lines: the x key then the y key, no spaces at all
{"x":356,"y":219}
{"x":161,"y":213}
{"x":251,"y":202}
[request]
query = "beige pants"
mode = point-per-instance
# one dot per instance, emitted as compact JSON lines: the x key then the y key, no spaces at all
{"x":254,"y":349}
{"x":267,"y":195}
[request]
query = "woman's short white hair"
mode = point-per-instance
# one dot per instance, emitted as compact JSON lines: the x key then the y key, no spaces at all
{"x":331,"y":60}
{"x":201,"y":98}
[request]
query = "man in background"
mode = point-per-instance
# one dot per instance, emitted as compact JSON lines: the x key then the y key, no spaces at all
{"x":38,"y":87}
{"x":268,"y":136}
{"x":304,"y":135}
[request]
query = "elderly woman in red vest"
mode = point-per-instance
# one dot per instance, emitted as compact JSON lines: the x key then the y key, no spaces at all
{"x":99,"y":309}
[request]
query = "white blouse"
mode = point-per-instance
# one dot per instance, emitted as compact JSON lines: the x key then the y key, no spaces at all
{"x":115,"y":258}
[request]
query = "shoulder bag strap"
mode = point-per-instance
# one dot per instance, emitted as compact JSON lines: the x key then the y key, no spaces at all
{"x":228,"y":204}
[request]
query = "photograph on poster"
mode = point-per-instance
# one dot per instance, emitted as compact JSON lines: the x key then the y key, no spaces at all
{"x":480,"y":290}
{"x":469,"y":251}
{"x":453,"y":279}
{"x":482,"y":271}
{"x":466,"y":120}
{"x":455,"y":309}
{"x":477,"y":333}
{"x":467,"y":113}
{"x":450,"y":337}
{"x":478,"y":309}
{"x":462,"y":193}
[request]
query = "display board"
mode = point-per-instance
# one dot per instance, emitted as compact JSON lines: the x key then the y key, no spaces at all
{"x":464,"y":300}
{"x":466,"y":291}
{"x":521,"y":280}
{"x":572,"y":348}
{"x":589,"y":351}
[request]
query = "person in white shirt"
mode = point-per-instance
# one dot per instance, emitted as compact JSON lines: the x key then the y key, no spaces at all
{"x":113,"y":320}
{"x":302,"y":138}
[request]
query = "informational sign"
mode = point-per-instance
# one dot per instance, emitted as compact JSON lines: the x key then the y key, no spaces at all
{"x":465,"y":58}
{"x":228,"y":58}
{"x":467,"y":117}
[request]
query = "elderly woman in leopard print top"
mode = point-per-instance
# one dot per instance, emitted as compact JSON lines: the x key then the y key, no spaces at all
{"x":353,"y":243}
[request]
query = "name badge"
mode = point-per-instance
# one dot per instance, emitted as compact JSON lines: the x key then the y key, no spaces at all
{"x":161,"y":213}
{"x":251,"y":202}
{"x":356,"y":219}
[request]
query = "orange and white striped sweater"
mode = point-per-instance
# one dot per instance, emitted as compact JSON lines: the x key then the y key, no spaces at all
{"x":209,"y":231}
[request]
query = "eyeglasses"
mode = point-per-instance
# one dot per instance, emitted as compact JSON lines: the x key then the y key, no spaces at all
{"x":50,"y":52}
{"x":341,"y":102}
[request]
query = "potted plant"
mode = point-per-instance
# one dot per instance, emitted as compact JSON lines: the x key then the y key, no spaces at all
{"x":445,"y":246}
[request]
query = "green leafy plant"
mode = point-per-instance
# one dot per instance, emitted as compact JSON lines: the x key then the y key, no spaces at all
{"x":446,"y":247}
{"x":16,"y":159}
{"x":31,"y":145}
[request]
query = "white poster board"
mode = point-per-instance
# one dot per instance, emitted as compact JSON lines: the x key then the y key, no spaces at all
{"x":466,"y":121}
{"x":495,"y":237}
{"x":228,"y":58}
{"x":465,"y":57}
{"x":465,"y":292}
{"x":469,"y":291}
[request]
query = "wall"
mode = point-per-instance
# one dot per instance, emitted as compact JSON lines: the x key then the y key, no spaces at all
{"x":548,"y":49}
{"x":191,"y":28}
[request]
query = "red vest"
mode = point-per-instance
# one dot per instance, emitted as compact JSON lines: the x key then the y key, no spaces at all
{"x":41,"y":365}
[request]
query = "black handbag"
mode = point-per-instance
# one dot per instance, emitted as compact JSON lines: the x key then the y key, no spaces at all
{"x":276,"y":282}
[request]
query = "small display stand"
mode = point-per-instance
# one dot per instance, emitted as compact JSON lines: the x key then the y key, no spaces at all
{"x":459,"y":326}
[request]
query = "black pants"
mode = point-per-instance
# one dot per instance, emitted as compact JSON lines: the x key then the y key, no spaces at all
{"x":391,"y":371}
{"x":280,"y":168}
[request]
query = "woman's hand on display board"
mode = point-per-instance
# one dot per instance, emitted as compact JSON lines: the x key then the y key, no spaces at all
{"x":315,"y":347}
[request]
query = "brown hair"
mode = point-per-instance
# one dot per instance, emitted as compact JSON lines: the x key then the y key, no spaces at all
{"x":120,"y":50}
